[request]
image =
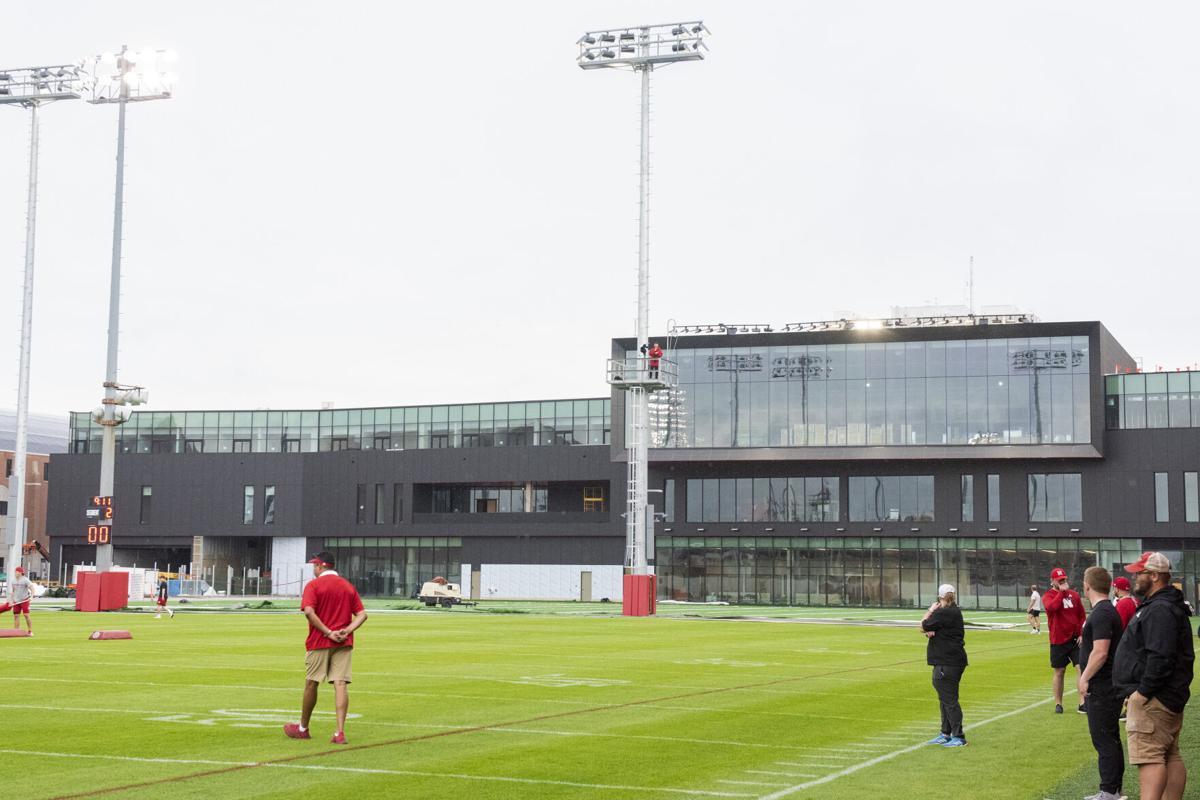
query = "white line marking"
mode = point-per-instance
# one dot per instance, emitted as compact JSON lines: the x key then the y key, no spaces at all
{"x":754,"y":783}
{"x":889,"y":756}
{"x":366,"y":771}
{"x":809,"y":764}
{"x":770,"y":772}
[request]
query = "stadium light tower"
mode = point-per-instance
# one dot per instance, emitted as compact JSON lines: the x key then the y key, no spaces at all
{"x":31,"y":88}
{"x":123,"y":78}
{"x":641,"y":48}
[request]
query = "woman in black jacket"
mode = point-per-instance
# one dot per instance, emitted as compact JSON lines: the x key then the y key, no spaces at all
{"x":947,"y":654}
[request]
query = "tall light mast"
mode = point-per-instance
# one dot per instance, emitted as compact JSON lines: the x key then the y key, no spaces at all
{"x":642,"y":49}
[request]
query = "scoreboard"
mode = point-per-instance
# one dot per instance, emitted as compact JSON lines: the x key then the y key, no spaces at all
{"x":99,"y":519}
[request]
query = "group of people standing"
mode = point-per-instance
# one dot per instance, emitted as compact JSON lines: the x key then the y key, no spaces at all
{"x":1134,"y":660}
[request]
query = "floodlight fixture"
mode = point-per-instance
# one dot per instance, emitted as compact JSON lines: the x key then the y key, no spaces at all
{"x":31,"y":86}
{"x":651,"y":45}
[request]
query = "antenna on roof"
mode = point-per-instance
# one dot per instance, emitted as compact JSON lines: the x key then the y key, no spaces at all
{"x":971,"y":286}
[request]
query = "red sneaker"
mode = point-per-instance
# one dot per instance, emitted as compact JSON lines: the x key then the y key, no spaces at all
{"x":338,"y":738}
{"x":292,"y":730}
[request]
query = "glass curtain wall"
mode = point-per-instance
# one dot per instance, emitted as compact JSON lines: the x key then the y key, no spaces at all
{"x":883,"y":572}
{"x":959,"y":392}
{"x":1152,"y":400}
{"x":542,"y":423}
{"x":396,"y":567}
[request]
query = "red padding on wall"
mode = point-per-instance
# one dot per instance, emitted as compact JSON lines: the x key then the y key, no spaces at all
{"x":98,"y":635}
{"x":114,"y":590}
{"x":87,"y":592}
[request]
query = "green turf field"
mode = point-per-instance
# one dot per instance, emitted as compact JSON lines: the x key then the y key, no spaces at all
{"x":529,"y":704}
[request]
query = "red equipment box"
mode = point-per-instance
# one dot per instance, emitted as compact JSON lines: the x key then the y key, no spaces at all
{"x":114,"y":590}
{"x":87,"y":591}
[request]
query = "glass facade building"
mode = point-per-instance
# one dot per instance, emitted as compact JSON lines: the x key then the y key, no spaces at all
{"x":1003,"y":391}
{"x":1152,"y":400}
{"x":395,"y":566}
{"x":530,"y":424}
{"x":881,"y":572}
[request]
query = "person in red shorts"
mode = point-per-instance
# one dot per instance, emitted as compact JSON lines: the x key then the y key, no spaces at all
{"x":20,"y":592}
{"x":334,"y":611}
{"x":1064,"y":618}
{"x":1126,"y":603}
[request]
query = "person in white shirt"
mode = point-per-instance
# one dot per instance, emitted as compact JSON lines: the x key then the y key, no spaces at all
{"x":1034,"y":610}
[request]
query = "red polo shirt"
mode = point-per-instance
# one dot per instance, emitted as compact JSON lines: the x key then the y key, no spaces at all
{"x":336,"y":601}
{"x":1126,"y":607}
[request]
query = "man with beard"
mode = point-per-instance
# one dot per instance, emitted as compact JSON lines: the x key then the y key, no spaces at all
{"x":1154,"y":668}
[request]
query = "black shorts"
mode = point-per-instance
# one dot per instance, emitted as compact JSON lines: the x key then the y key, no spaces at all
{"x":1062,"y":654}
{"x":1034,"y":613}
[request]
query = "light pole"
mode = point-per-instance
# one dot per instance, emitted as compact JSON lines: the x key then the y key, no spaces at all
{"x":127,"y":77}
{"x":641,"y":48}
{"x":30,"y":87}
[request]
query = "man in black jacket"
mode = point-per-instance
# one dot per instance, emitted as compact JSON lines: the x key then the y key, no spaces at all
{"x":1154,"y":668}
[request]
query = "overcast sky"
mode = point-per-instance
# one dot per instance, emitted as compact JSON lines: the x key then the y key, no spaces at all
{"x":398,"y":203}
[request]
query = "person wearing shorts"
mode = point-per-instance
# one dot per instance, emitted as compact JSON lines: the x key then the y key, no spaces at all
{"x":1154,"y":665}
{"x":1064,"y":618}
{"x":161,"y":601}
{"x":1034,"y":610}
{"x":20,"y":592}
{"x":334,"y":611}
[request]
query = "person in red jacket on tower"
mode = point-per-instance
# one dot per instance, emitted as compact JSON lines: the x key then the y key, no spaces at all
{"x":655,"y":354}
{"x":1065,"y":618}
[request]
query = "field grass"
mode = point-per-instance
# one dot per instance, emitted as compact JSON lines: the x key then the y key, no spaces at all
{"x":540,"y":702}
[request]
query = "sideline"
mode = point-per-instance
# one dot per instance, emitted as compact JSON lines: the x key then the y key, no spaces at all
{"x":850,"y":770}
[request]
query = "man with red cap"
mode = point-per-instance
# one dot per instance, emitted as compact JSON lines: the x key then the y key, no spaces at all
{"x":20,"y":592}
{"x":1064,"y":618}
{"x":334,"y":611}
{"x":1153,"y":667}
{"x":1126,"y":603}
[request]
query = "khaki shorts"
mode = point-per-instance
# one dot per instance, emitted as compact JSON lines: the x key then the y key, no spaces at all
{"x":328,"y":664}
{"x":1153,"y":732}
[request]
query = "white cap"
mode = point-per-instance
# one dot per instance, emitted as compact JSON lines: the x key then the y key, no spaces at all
{"x":945,"y":589}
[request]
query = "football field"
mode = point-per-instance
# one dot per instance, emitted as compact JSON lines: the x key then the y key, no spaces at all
{"x":537,"y":705}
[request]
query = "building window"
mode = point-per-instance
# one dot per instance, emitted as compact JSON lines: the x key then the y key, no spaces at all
{"x":905,"y":498}
{"x":247,"y":505}
{"x":268,"y":505}
{"x":470,"y":440}
{"x":144,"y":509}
{"x":291,"y":445}
{"x":397,"y":503}
{"x":762,"y":500}
{"x":3,"y":508}
{"x":1162,"y":512}
{"x":1191,"y":498}
{"x":669,"y":500}
{"x":1055,"y":497}
{"x":594,"y":499}
{"x":967,"y":489}
{"x":8,"y":467}
{"x":439,"y":441}
{"x":383,"y":443}
{"x":339,"y":443}
{"x":380,"y":503}
{"x":360,"y":504}
{"x":993,"y":498}
{"x":506,"y":499}
{"x":193,"y":446}
{"x":46,"y":471}
{"x":241,"y":445}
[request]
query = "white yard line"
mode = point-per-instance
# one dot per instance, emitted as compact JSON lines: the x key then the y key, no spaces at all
{"x":850,"y":770}
{"x":777,"y":772}
{"x":753,"y":783}
{"x":368,"y":771}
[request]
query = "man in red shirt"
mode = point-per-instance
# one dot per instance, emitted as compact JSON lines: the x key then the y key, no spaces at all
{"x":1126,"y":603}
{"x":334,"y":611}
{"x":655,"y":354}
{"x":1065,"y":618}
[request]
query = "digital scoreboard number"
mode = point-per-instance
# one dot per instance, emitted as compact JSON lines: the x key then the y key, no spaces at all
{"x":99,"y":520}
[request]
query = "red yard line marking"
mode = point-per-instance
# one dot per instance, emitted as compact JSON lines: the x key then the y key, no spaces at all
{"x":479,"y":728}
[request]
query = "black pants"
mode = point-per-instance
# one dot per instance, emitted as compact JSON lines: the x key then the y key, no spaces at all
{"x":1103,"y":713}
{"x":945,"y":681}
